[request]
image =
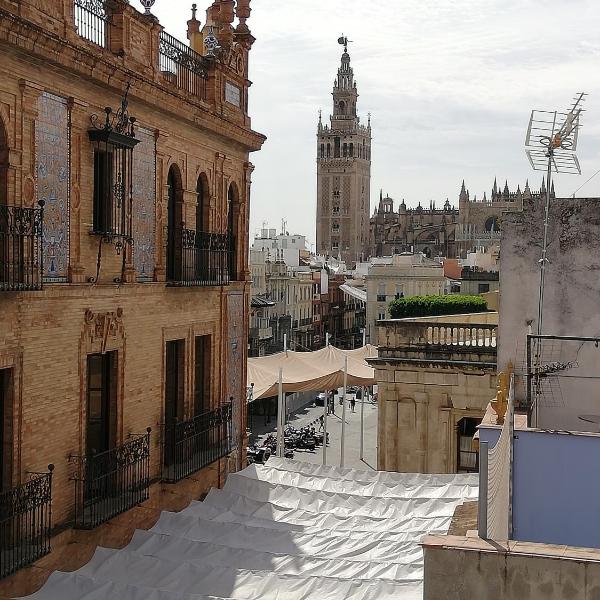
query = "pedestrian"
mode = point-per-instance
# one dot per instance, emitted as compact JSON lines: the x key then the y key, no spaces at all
{"x":352,"y":403}
{"x":321,"y":423}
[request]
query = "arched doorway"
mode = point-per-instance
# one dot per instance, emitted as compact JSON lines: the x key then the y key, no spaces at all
{"x":202,"y":203}
{"x":232,"y":218}
{"x":174,"y":223}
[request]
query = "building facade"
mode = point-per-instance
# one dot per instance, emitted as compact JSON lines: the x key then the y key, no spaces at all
{"x":124,"y":287}
{"x":343,"y":174}
{"x":400,"y":276}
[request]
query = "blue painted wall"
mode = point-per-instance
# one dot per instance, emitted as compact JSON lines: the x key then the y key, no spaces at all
{"x":556,"y":487}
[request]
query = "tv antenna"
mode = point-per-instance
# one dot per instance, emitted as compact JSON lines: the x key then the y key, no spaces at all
{"x":551,"y":143}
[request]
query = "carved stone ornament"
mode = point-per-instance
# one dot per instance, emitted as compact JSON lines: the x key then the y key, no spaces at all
{"x":103,"y":326}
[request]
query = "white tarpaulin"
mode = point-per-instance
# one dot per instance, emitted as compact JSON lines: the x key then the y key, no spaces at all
{"x":307,"y":371}
{"x":284,"y":531}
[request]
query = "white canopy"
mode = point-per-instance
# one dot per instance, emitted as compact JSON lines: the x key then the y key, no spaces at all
{"x":305,"y":371}
{"x":284,"y":531}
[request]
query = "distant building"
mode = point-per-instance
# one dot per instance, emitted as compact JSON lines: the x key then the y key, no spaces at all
{"x":399,"y":276}
{"x":344,"y":174}
{"x":445,"y":231}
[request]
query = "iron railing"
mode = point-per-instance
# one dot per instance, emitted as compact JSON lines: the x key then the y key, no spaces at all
{"x":189,"y":446}
{"x":111,"y":482}
{"x":92,"y":21}
{"x":182,"y":66}
{"x":25,"y":523}
{"x":21,"y":235}
{"x":202,"y":259}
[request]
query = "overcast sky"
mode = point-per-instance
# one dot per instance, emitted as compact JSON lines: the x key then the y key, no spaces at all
{"x":450,"y":85}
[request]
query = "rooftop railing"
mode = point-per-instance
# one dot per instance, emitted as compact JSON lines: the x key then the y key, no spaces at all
{"x":25,"y":523}
{"x":182,"y":66}
{"x":92,"y":21}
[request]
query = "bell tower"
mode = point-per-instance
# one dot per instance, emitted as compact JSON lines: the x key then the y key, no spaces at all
{"x":344,"y":173}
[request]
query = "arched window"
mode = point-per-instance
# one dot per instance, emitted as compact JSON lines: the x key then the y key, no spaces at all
{"x":342,"y":106}
{"x":492,"y":224}
{"x":345,"y":150}
{"x":174,"y":223}
{"x":202,"y":203}
{"x":232,"y":216}
{"x":328,"y":150}
{"x":3,"y":165}
{"x":322,"y":150}
{"x":336,"y":147}
{"x":351,"y":149}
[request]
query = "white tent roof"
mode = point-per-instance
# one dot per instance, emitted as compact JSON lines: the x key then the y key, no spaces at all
{"x":284,"y":531}
{"x":305,"y":371}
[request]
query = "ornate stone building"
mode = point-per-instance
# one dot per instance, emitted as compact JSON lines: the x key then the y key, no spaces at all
{"x":343,"y":174}
{"x":124,"y":287}
{"x":429,"y":230}
{"x":445,"y":231}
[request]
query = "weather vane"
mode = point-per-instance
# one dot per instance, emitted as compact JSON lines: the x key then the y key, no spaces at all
{"x":344,"y":41}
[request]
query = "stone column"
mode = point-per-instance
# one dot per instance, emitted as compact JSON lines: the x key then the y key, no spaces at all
{"x":25,"y":142}
{"x":162,"y":162}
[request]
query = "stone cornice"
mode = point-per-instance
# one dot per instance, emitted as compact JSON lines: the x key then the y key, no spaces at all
{"x":109,"y":70}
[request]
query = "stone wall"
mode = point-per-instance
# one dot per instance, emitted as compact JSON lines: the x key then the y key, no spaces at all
{"x":465,"y":568}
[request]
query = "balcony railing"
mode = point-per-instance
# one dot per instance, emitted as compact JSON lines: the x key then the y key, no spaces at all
{"x":203,"y":259}
{"x":25,"y":523}
{"x":111,"y":482}
{"x":21,"y":231}
{"x":92,"y":20}
{"x":182,"y":66}
{"x":192,"y":445}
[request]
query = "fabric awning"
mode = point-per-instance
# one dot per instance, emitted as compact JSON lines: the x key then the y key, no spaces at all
{"x":306,"y":371}
{"x":287,"y":530}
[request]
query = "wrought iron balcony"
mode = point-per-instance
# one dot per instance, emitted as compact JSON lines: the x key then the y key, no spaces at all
{"x":111,"y":482}
{"x":189,"y":446}
{"x":25,"y":523}
{"x":21,"y":234}
{"x":199,"y":259}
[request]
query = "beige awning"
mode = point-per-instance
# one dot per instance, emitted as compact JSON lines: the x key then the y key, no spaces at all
{"x":306,"y":371}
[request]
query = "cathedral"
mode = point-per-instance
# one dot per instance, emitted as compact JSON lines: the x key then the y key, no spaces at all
{"x":446,"y":231}
{"x":344,"y":173}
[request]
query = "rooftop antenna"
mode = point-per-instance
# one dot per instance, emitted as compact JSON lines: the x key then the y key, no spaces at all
{"x":551,"y":143}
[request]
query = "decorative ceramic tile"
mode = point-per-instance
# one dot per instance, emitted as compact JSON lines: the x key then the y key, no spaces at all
{"x":144,"y":205}
{"x":52,"y":138}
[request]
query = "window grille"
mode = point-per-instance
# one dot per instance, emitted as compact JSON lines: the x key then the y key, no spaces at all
{"x":114,"y":142}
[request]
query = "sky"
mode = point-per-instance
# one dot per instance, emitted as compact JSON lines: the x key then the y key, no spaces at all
{"x":450,"y":85}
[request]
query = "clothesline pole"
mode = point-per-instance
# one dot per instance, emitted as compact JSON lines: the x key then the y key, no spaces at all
{"x":362,"y":422}
{"x":325,"y":410}
{"x":280,"y":416}
{"x":343,"y":440}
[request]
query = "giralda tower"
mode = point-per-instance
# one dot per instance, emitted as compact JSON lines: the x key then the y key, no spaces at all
{"x":343,"y":173}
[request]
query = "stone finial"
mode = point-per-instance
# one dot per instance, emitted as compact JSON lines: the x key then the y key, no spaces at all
{"x":193,"y":24}
{"x":500,"y":403}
